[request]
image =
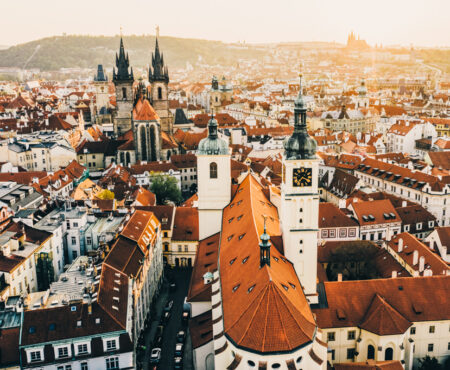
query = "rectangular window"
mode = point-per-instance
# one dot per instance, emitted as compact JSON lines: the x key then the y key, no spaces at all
{"x":110,"y":345}
{"x":324,"y":233}
{"x":332,"y":233}
{"x":351,"y":232}
{"x":63,"y":352}
{"x":351,"y":334}
{"x":413,"y":330}
{"x":331,"y":336}
{"x":84,"y":366}
{"x":430,"y":347}
{"x":179,"y":248}
{"x":82,"y":348}
{"x":186,"y":248}
{"x":88,"y":240}
{"x":112,"y":363}
{"x":74,"y":240}
{"x":342,"y":233}
{"x":35,"y":356}
{"x":431,"y":329}
{"x":350,"y":353}
{"x":332,"y":354}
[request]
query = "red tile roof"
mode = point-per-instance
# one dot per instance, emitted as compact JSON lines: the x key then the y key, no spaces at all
{"x":378,"y":209}
{"x":415,"y":298}
{"x":332,"y":216}
{"x":144,"y":112}
{"x":186,"y":224}
{"x":382,"y":319}
{"x":264,"y":309}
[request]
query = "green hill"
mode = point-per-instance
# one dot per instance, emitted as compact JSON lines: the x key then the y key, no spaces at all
{"x":53,"y":53}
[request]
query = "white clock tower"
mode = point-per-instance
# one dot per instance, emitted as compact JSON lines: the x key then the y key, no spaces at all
{"x":300,"y":201}
{"x":214,"y":181}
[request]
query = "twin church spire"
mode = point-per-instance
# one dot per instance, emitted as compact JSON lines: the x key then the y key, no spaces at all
{"x":122,"y":64}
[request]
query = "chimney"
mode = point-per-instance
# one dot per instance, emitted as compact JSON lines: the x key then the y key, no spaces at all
{"x":400,"y":245}
{"x":421,"y":263}
{"x":432,"y":245}
{"x":339,"y":277}
{"x":394,"y":274}
{"x":404,"y":203}
{"x":444,"y":252}
{"x":415,"y":257}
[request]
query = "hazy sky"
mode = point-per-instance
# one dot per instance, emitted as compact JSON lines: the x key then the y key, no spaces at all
{"x":421,"y":22}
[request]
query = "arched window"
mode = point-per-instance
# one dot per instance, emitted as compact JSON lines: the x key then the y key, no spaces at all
{"x":153,"y":143}
{"x":213,"y":170}
{"x":143,"y":137}
{"x":370,"y":352}
{"x":159,"y":93}
{"x":389,"y":354}
{"x":124,"y":93}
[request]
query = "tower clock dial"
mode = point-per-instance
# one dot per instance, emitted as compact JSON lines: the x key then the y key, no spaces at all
{"x":302,"y":177}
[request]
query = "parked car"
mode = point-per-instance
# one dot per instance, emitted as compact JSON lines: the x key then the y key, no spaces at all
{"x":178,"y":362}
{"x":179,"y":347}
{"x":181,"y":336}
{"x":168,"y":306}
{"x":155,"y":356}
{"x":166,"y":316}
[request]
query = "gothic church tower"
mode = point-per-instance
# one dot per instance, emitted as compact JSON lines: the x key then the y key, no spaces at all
{"x":123,"y":81}
{"x":158,"y":76}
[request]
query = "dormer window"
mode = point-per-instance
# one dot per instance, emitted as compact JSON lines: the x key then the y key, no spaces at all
{"x":35,"y":356}
{"x":62,"y":352}
{"x":419,"y":225}
{"x":110,"y":345}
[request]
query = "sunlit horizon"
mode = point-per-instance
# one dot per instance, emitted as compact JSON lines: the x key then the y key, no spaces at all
{"x":400,"y":22}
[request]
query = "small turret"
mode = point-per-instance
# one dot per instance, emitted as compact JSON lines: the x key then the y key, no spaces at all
{"x":158,"y":71}
{"x":264,"y":247}
{"x":100,"y":76}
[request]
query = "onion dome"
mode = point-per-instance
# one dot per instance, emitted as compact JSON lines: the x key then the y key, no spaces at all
{"x":300,"y":145}
{"x":212,"y":145}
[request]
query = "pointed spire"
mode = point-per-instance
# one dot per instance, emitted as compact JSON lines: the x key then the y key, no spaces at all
{"x":159,"y":71}
{"x":300,"y":145}
{"x":212,"y":127}
{"x":122,"y":64}
{"x":264,"y":246}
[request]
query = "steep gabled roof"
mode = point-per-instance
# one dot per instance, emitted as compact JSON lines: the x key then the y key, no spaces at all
{"x":382,"y":319}
{"x":264,"y":309}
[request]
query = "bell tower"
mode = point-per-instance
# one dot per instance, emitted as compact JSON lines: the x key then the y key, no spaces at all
{"x":158,"y":76}
{"x":214,"y":181}
{"x":123,"y":81}
{"x":300,"y":201}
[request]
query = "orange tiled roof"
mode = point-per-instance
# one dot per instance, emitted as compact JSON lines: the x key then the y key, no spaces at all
{"x":415,"y":298}
{"x":264,"y":309}
{"x":145,"y":112}
{"x":382,"y":319}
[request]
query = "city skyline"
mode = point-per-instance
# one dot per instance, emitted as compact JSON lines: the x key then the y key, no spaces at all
{"x":387,"y":23}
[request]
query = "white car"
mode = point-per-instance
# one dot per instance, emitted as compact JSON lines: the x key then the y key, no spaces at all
{"x":155,"y":355}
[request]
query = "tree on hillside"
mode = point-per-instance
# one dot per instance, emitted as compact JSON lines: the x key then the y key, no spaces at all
{"x":165,"y":189}
{"x":429,"y":363}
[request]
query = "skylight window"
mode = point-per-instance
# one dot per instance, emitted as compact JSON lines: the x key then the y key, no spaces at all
{"x":241,"y":236}
{"x":245,"y":259}
{"x":230,"y":237}
{"x":236,"y":287}
{"x":239,"y":218}
{"x":232,"y":261}
{"x":285,"y":287}
{"x":251,"y":288}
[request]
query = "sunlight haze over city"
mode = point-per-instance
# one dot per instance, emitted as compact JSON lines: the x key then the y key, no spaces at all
{"x":387,"y":22}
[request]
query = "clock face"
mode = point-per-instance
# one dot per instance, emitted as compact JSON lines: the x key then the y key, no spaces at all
{"x":302,"y":177}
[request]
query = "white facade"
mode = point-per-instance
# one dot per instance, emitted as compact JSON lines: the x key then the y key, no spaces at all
{"x":214,"y":191}
{"x":299,"y":223}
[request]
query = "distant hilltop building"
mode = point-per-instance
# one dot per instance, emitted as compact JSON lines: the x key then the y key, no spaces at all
{"x":354,"y":42}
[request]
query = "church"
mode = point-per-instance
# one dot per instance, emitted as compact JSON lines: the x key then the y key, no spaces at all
{"x":256,"y":301}
{"x":143,"y":108}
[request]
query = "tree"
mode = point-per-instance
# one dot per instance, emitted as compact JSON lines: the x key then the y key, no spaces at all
{"x":165,"y":188}
{"x":105,"y":195}
{"x":429,"y":363}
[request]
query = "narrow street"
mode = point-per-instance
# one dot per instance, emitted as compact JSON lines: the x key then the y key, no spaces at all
{"x":174,"y":324}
